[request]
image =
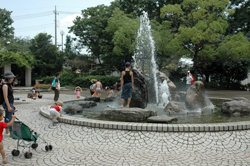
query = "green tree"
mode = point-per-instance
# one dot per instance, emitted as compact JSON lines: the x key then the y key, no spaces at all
{"x":90,"y":29}
{"x":74,"y":59}
{"x":22,"y":59}
{"x":47,"y":59}
{"x":70,"y":51}
{"x":124,"y":31}
{"x":152,"y":7}
{"x":6,"y":30}
{"x":239,"y":20}
{"x":17,"y":50}
{"x":162,"y":37}
{"x":201,"y":24}
{"x":231,"y":63}
{"x":19,"y":44}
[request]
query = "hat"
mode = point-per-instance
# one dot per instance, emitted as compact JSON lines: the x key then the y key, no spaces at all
{"x":93,"y":81}
{"x":9,"y":75}
{"x":127,"y":64}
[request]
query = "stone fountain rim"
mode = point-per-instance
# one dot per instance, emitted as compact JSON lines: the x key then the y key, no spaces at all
{"x":155,"y":127}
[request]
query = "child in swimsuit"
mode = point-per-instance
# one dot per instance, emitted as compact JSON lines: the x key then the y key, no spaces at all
{"x":98,"y":88}
{"x":78,"y":91}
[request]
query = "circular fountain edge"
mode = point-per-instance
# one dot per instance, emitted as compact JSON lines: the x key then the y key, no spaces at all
{"x":132,"y":126}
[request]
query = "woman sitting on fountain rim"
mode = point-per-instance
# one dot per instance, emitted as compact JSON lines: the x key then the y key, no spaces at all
{"x":127,"y":84}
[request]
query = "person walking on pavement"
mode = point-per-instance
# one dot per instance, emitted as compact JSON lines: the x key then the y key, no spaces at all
{"x":56,"y":86}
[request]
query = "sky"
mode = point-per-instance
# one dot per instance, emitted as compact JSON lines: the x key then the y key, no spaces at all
{"x":32,"y":17}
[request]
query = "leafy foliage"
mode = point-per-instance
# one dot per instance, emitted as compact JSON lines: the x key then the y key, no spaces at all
{"x":124,"y":30}
{"x":83,"y":81}
{"x":239,"y":20}
{"x":47,"y":59}
{"x":20,"y":58}
{"x":105,"y":80}
{"x":90,"y":29}
{"x":6,"y":30}
{"x":201,"y":24}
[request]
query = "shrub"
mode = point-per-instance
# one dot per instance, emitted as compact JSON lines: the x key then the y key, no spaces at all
{"x":42,"y":86}
{"x":85,"y":81}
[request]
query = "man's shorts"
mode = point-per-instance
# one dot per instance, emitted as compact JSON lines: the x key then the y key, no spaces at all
{"x":127,"y":91}
{"x":53,"y":113}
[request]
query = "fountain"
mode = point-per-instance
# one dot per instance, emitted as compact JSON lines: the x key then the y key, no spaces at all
{"x":144,"y":59}
{"x":192,"y":108}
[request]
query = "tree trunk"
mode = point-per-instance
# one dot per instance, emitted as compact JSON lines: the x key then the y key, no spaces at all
{"x":196,"y":64}
{"x":207,"y":77}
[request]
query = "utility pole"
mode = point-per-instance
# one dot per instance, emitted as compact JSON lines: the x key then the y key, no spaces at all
{"x":55,"y":26}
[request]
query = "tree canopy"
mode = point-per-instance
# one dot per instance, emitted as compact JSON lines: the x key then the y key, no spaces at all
{"x":47,"y":59}
{"x":201,"y":24}
{"x":6,"y":30}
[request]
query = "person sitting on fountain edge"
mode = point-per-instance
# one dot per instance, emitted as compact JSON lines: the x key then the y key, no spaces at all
{"x":127,"y":84}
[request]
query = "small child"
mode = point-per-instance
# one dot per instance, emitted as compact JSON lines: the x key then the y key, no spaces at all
{"x":109,"y":90}
{"x":98,"y":88}
{"x":54,"y":111}
{"x":2,"y":126}
{"x":40,"y":95}
{"x":78,"y":91}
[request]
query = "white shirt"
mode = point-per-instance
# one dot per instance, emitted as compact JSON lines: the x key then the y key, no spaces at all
{"x":189,"y":79}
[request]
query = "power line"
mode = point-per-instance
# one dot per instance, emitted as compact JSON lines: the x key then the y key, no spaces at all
{"x":34,"y":29}
{"x":42,"y":14}
{"x":35,"y":15}
{"x":35,"y":26}
{"x":66,"y":12}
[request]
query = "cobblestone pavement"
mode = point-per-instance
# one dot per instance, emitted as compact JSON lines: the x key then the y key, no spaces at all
{"x":78,"y":145}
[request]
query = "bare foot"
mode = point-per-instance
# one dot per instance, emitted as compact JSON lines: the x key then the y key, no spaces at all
{"x":121,"y":107}
{"x":127,"y":106}
{"x":5,"y":161}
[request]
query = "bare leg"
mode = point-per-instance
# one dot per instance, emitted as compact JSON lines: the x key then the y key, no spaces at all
{"x":3,"y":153}
{"x":129,"y":100}
{"x":7,"y":131}
{"x":122,"y":101}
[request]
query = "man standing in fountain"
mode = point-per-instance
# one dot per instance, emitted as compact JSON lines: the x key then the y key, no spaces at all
{"x":127,"y":84}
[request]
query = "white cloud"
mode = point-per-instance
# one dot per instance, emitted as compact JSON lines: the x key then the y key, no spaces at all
{"x":68,"y":21}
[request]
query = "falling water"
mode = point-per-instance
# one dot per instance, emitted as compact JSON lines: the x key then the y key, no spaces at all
{"x":144,"y":57}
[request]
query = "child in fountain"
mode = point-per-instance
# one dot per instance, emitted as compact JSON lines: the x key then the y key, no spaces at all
{"x":109,"y":90}
{"x":78,"y":91}
{"x":98,"y":88}
{"x":127,"y":84}
{"x":56,"y":111}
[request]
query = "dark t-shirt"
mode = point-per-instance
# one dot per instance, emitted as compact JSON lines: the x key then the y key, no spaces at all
{"x":127,"y":77}
{"x":10,"y":93}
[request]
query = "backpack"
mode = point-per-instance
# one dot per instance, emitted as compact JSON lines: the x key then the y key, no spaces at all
{"x":53,"y":84}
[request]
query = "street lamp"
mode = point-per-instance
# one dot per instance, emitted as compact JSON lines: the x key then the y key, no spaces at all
{"x":62,"y":33}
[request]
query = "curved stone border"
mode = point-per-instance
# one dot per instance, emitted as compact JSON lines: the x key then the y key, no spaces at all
{"x":244,"y":125}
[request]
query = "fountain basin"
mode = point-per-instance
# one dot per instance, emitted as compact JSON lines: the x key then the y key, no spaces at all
{"x":243,"y":125}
